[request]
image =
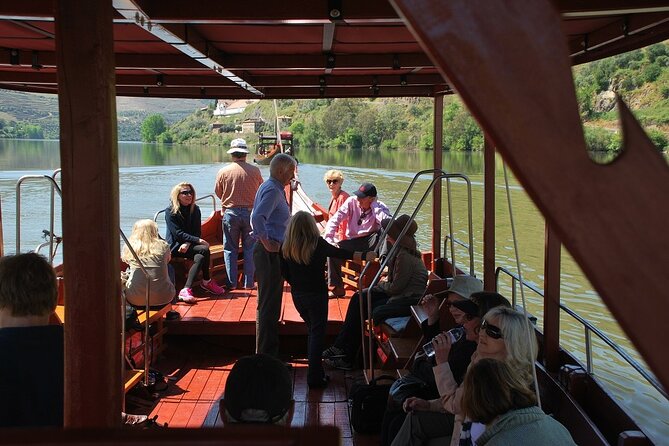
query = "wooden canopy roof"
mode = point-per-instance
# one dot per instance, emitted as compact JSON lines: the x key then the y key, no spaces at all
{"x":295,"y":49}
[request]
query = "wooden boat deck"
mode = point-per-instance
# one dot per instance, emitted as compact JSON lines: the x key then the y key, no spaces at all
{"x":197,"y":374}
{"x":234,"y":313}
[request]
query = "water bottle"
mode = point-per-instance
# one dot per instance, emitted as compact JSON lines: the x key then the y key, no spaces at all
{"x":454,"y":335}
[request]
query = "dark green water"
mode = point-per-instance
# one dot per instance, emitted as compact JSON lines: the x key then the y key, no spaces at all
{"x":147,"y":173}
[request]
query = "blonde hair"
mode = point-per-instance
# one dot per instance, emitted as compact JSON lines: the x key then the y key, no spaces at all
{"x":144,"y":240}
{"x":519,"y":339}
{"x":174,"y":197}
{"x":301,"y":238}
{"x":334,"y":174}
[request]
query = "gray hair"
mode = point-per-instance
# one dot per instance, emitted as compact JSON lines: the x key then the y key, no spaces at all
{"x":280,"y":165}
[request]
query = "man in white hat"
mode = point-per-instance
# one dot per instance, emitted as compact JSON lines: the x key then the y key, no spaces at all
{"x":236,"y":187}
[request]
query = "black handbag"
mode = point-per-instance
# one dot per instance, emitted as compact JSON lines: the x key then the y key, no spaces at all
{"x":367,"y":404}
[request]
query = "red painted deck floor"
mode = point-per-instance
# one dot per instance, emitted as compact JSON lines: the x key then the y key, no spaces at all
{"x":234,"y":313}
{"x":198,"y":367}
{"x":221,"y":329}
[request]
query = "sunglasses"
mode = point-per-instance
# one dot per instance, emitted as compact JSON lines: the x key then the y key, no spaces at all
{"x":332,"y":181}
{"x":186,"y":192}
{"x":491,"y":330}
{"x":363,"y":215}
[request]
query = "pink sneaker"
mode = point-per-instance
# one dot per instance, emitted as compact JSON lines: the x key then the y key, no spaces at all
{"x":186,"y":296}
{"x":212,"y":287}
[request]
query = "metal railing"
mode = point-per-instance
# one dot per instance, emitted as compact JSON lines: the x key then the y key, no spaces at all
{"x":438,"y":175}
{"x":51,"y":179}
{"x":589,"y":329}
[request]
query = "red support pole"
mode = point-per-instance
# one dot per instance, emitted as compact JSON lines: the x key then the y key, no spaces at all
{"x":89,"y":159}
{"x":552,"y":260}
{"x":437,"y":162}
{"x":489,"y":215}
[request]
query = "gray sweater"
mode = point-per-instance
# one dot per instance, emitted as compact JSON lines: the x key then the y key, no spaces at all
{"x":525,"y":426}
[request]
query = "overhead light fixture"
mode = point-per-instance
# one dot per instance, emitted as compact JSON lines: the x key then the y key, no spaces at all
{"x":146,"y":91}
{"x":403,"y":79}
{"x":36,"y":65}
{"x":396,"y":62}
{"x":160,"y":81}
{"x":14,"y":57}
{"x":334,"y":10}
{"x":330,"y":61}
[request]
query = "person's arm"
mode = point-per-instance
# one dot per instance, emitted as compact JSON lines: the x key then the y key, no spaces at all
{"x":333,"y":223}
{"x":450,"y":393}
{"x":265,"y":203}
{"x":381,"y":211}
{"x":218,"y":185}
{"x":174,"y":227}
{"x":285,"y":270}
{"x":402,"y":272}
{"x":339,"y":253}
{"x":196,"y":219}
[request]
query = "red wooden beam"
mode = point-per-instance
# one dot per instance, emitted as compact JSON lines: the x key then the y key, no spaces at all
{"x":89,"y":159}
{"x":611,"y":218}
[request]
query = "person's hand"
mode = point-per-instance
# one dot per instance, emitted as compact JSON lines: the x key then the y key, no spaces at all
{"x":413,"y":403}
{"x":184,"y":247}
{"x":270,"y":245}
{"x":370,"y":256}
{"x":203,"y":242}
{"x":442,"y":347}
{"x":431,"y":306}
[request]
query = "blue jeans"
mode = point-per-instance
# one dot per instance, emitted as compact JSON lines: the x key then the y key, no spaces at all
{"x":313,"y":308}
{"x":236,"y":224}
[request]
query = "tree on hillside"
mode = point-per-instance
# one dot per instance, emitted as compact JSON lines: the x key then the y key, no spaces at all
{"x":152,"y":126}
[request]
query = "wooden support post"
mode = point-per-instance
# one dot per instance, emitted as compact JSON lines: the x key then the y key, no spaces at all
{"x":89,"y":159}
{"x":437,"y":162}
{"x":552,"y":260}
{"x":488,"y":215}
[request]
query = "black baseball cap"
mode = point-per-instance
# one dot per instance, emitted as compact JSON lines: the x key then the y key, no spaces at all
{"x":366,"y":190}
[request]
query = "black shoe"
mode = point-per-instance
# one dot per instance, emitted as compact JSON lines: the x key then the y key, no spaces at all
{"x":319,"y":384}
{"x":172,"y":315}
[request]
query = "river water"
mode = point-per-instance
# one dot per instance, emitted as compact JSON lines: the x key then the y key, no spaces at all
{"x":148,"y":172}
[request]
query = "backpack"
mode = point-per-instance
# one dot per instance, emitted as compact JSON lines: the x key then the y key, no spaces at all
{"x":367,"y":404}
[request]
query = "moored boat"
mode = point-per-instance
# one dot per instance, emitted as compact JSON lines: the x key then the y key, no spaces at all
{"x":270,"y":145}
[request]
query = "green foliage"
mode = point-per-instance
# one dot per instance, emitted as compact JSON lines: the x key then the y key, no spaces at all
{"x":20,"y":130}
{"x":601,"y":139}
{"x":152,"y":127}
{"x":658,"y":138}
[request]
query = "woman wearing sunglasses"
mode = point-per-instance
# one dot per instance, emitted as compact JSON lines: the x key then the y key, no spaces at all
{"x":505,"y":335}
{"x":183,"y":219}
{"x":334,"y":180}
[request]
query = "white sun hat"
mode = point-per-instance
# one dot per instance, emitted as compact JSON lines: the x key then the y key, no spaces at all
{"x":238,"y":145}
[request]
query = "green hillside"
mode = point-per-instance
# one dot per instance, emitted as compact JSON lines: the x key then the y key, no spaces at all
{"x":641,"y":77}
{"x":32,"y":115}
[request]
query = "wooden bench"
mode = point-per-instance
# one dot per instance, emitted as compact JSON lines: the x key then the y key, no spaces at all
{"x":351,"y":269}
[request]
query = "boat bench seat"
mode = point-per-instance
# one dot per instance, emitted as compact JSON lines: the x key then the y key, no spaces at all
{"x":351,"y":269}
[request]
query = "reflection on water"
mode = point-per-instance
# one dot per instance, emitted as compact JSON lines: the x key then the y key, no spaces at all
{"x":148,"y":172}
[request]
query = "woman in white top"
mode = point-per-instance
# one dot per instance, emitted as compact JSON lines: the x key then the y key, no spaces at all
{"x":154,"y":253}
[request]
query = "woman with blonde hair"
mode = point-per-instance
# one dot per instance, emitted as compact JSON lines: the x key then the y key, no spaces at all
{"x":154,"y":254}
{"x":183,"y":219}
{"x":303,"y":256}
{"x":495,"y":395}
{"x":505,"y":335}
{"x":334,"y":179}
